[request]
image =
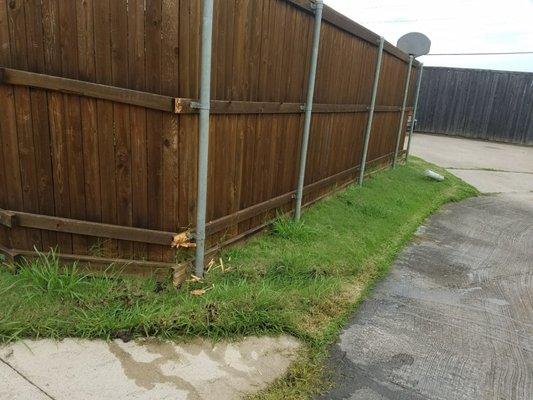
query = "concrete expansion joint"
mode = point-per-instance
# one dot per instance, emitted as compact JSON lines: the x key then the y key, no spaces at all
{"x":490,"y":170}
{"x":25,"y":378}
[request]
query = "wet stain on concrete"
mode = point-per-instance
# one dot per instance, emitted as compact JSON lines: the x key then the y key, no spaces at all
{"x":77,"y":369}
{"x":200,"y":367}
{"x":148,"y":374}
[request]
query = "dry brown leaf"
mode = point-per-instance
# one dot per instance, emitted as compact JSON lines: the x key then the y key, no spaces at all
{"x":178,"y":277}
{"x":182,"y":240}
{"x":201,"y":292}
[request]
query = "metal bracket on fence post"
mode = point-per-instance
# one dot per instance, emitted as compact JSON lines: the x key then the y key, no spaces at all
{"x":415,"y":107}
{"x":319,"y":5}
{"x":371,"y":111}
{"x":203,"y":130}
{"x":405,"y":93}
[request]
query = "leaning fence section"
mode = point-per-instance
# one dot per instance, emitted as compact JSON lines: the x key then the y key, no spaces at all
{"x":99,"y":122}
{"x":479,"y":104}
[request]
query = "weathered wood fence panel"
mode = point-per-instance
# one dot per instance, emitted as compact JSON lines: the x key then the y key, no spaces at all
{"x":480,"y":104}
{"x":123,"y":154}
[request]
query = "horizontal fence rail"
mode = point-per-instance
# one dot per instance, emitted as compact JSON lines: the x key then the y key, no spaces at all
{"x":478,"y":104}
{"x":100,"y":117}
{"x":88,"y":89}
{"x":170,"y":104}
{"x":12,"y":219}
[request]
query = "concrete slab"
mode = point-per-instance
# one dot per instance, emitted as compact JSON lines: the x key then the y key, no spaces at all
{"x":454,"y":318}
{"x":82,"y":369}
{"x":496,"y":182}
{"x":472,"y":154}
{"x":489,"y":167}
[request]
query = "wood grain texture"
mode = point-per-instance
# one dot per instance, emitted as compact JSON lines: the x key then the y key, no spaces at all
{"x":87,"y":89}
{"x":99,"y":124}
{"x":57,"y":224}
{"x":479,"y":104}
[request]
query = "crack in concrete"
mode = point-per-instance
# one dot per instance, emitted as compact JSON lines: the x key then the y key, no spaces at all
{"x":489,"y":170}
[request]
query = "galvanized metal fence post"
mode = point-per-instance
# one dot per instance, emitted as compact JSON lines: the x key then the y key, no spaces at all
{"x":319,"y":5}
{"x":203,"y":130}
{"x":371,"y":111}
{"x":405,"y":93}
{"x":415,"y":107}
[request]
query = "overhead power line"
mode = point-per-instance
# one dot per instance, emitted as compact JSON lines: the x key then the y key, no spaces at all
{"x":480,"y":54}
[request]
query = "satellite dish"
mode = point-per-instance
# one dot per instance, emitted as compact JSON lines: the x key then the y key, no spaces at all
{"x":414,"y":43}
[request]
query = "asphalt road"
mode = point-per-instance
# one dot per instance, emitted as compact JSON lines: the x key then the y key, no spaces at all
{"x":454,"y":318}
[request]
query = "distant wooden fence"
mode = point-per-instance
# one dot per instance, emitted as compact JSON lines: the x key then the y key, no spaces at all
{"x":475,"y":103}
{"x":99,"y":133}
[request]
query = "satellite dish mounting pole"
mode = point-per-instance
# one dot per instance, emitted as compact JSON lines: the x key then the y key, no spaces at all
{"x":402,"y":112}
{"x":415,"y":108}
{"x":415,"y":44}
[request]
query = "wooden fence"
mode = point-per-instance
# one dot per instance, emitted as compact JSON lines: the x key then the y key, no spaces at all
{"x":476,"y":103}
{"x":99,"y":136}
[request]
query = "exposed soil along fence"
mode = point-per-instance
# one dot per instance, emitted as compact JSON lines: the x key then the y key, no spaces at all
{"x":99,"y":133}
{"x":476,"y":103}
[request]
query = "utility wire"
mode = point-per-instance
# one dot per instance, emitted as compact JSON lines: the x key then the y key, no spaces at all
{"x":480,"y":54}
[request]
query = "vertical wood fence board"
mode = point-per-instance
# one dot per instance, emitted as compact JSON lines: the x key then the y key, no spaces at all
{"x":154,"y":120}
{"x":21,"y":95}
{"x":13,"y":194}
{"x":72,"y":119}
{"x":170,"y":80}
{"x":39,"y":119}
{"x":89,"y":122}
{"x":118,"y":18}
{"x":5,"y":239}
{"x":137,"y":81}
{"x":105,"y":124}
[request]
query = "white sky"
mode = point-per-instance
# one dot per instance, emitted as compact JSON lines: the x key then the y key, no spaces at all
{"x":454,"y":26}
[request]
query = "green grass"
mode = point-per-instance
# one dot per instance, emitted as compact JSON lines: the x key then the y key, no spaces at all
{"x":302,"y":278}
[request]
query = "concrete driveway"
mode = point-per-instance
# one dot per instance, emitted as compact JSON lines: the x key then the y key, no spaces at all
{"x":490,"y":167}
{"x":454,"y":318}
